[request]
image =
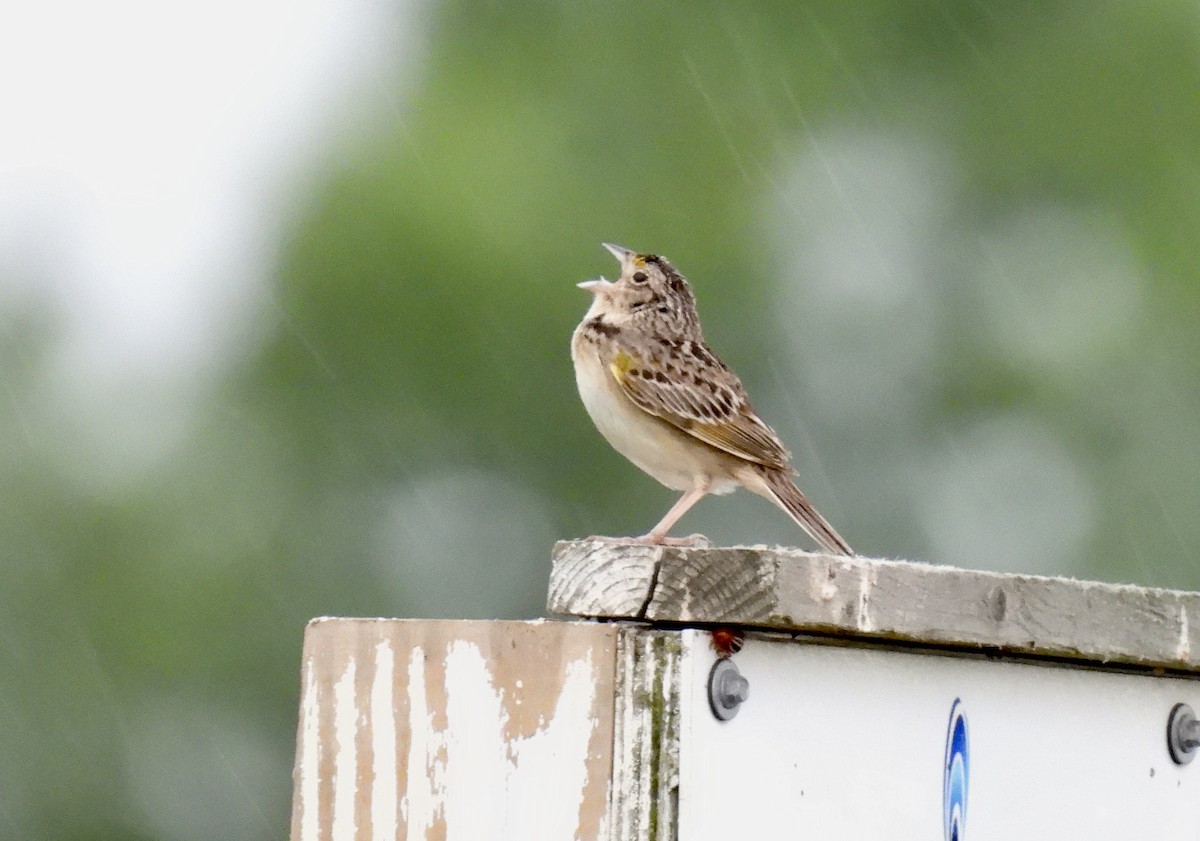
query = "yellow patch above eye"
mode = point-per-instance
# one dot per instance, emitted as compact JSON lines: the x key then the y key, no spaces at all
{"x":639,"y":262}
{"x":621,"y":365}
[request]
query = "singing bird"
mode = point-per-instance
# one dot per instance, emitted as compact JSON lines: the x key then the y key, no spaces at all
{"x":667,"y":403}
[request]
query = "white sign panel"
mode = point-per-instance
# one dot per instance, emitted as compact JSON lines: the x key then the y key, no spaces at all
{"x":858,"y":744}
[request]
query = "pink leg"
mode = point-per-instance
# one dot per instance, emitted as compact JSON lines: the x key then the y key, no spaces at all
{"x":658,"y":534}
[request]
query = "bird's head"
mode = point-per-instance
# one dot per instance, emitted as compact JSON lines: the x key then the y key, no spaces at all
{"x":650,"y":294}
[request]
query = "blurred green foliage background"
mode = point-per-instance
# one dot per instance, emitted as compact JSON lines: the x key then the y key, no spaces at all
{"x":949,"y":247}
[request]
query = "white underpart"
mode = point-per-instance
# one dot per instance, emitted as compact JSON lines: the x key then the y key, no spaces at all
{"x":651,"y":443}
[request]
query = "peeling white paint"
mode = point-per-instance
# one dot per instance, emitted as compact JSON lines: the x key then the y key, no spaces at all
{"x":825,"y":583}
{"x":473,"y":804}
{"x":822,"y":588}
{"x":530,"y":787}
{"x":867,"y":584}
{"x":558,"y":754}
{"x":1185,"y":643}
{"x":646,"y":704}
{"x":309,"y":784}
{"x":345,"y":757}
{"x":384,"y":808}
{"x":444,"y":741}
{"x":420,"y":800}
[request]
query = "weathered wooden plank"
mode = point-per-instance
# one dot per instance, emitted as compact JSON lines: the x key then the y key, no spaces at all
{"x":453,"y":729}
{"x":626,"y":584}
{"x":644,"y":799}
{"x":871,"y":599}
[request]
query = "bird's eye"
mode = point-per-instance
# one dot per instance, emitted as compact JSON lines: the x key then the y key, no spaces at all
{"x":639,"y":277}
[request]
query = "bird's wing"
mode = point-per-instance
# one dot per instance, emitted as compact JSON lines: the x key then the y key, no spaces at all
{"x":685,"y":384}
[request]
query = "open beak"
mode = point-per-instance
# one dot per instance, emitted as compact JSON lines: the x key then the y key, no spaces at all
{"x":595,"y":286}
{"x":622,"y":254}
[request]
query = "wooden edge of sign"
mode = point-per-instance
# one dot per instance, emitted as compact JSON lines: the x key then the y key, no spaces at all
{"x":869,"y":599}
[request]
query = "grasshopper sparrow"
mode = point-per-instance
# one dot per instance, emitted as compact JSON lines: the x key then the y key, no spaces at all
{"x":665,"y":401}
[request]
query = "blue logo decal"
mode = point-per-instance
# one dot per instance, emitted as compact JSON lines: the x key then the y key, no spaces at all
{"x":954,"y":781}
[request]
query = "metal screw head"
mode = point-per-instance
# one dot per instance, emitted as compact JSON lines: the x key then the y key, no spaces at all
{"x":1183,"y":734}
{"x":727,"y":689}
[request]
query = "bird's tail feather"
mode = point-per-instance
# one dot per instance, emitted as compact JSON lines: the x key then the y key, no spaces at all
{"x":789,"y":497}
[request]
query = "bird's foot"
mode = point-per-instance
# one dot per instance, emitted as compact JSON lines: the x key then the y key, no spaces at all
{"x":600,"y":538}
{"x":696,"y":541}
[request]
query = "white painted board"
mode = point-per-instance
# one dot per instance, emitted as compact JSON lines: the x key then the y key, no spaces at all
{"x":851,"y":743}
{"x":454,"y":731}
